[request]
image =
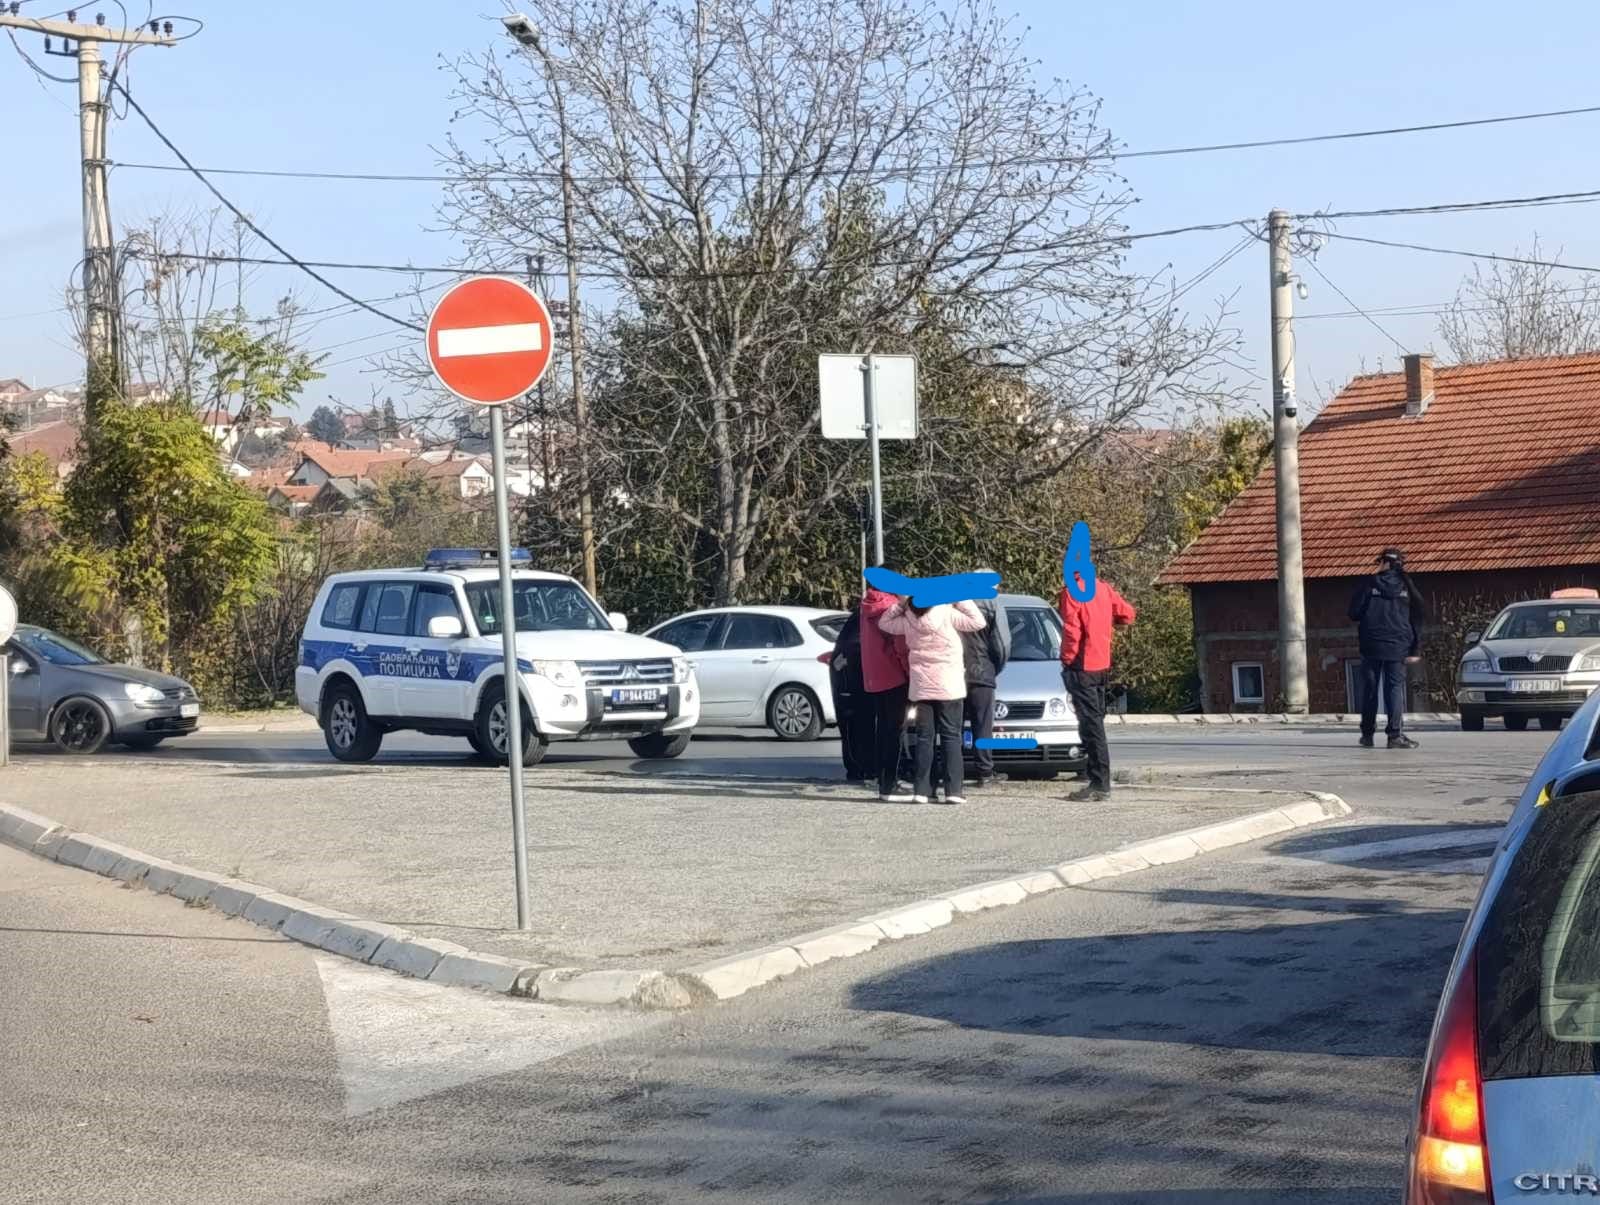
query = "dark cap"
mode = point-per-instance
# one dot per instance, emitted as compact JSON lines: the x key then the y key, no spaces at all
{"x":1392,"y":554}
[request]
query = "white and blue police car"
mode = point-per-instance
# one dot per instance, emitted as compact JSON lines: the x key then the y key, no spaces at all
{"x":386,"y":650}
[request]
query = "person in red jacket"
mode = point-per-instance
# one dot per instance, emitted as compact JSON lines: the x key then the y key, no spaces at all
{"x":1086,"y":629}
{"x":884,"y":676}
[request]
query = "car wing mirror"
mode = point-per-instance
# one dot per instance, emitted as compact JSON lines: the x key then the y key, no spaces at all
{"x":1473,"y":638}
{"x":20,"y":667}
{"x":445,"y":627}
{"x":618,"y":620}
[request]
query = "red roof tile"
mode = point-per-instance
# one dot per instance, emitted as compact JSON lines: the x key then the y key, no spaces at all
{"x":1501,"y":471}
{"x":58,"y":441}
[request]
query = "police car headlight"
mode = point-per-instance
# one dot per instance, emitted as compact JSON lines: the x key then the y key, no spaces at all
{"x":1478,"y":665}
{"x":1588,"y":663}
{"x":562,"y":673}
{"x":1058,"y":706}
{"x":140,"y":693}
{"x":680,"y":669}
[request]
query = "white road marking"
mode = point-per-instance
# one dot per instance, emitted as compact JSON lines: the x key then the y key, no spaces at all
{"x":491,"y":340}
{"x":1398,"y":847}
{"x":403,"y":1039}
{"x":1472,"y":866}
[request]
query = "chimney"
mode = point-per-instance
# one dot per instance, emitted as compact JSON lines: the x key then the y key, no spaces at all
{"x":1419,"y":383}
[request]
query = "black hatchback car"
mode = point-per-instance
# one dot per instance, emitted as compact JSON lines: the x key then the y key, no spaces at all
{"x":64,"y":693}
{"x":1510,"y":1101}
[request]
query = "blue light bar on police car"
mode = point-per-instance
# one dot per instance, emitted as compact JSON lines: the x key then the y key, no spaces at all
{"x":467,"y":558}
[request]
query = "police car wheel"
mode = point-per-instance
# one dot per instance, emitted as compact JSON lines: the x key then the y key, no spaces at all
{"x":350,"y":735}
{"x":492,"y":729}
{"x":794,"y":714}
{"x":659,"y":744}
{"x":1551,"y":722}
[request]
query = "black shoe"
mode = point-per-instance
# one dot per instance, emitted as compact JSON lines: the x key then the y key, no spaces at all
{"x":989,"y":780}
{"x":1402,"y":742}
{"x":1090,"y":795}
{"x":1366,"y":742}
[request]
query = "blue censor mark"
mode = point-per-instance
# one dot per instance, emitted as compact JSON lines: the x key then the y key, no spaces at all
{"x":1077,"y":569}
{"x":1007,"y":742}
{"x":932,"y":591}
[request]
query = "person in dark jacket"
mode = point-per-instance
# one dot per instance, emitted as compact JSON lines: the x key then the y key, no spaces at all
{"x":857,"y":711}
{"x":1389,"y":614}
{"x":985,"y":654}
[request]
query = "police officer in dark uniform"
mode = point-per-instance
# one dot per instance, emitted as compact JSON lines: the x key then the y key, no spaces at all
{"x":1389,"y":614}
{"x":854,"y":709}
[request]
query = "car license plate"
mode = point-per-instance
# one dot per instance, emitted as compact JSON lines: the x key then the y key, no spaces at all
{"x":1017,"y":734}
{"x":1534,"y":685}
{"x":636,"y":694}
{"x":189,"y":710}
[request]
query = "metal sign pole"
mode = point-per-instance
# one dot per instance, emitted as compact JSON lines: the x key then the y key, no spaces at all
{"x":5,"y":710}
{"x":513,"y":679}
{"x":870,"y":369}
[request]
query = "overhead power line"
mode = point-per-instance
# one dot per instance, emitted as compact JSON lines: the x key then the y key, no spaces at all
{"x":1504,"y":259}
{"x":888,"y":172}
{"x":246,"y":219}
{"x":1312,"y":264}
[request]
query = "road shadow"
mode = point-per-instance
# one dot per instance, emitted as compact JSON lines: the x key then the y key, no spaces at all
{"x":1297,"y":987}
{"x":1368,"y":847}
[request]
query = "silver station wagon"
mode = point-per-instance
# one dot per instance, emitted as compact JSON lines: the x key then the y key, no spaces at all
{"x":1539,"y":660}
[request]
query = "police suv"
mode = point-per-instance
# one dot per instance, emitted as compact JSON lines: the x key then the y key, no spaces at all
{"x":391,"y":649}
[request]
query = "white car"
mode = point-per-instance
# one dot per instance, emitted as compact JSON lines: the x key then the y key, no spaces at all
{"x":420,"y":649}
{"x":760,"y":667}
{"x":1031,"y":701}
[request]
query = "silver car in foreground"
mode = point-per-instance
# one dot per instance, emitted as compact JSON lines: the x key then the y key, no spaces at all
{"x":1538,"y":660}
{"x":1030,"y":699}
{"x":62,"y":692}
{"x":1509,"y":1108}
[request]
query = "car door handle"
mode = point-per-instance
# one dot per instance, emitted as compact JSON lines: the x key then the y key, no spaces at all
{"x":359,"y":646}
{"x":760,"y":660}
{"x":414,"y":649}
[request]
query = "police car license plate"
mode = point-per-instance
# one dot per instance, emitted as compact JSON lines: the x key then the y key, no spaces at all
{"x":1018,"y":734}
{"x":1533,"y":685}
{"x":636,"y":694}
{"x":189,"y":710}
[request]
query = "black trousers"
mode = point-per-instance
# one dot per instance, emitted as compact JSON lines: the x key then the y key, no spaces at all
{"x":858,"y":734}
{"x":890,"y":710}
{"x":1379,"y":672}
{"x":1087,"y":689}
{"x":980,"y":714}
{"x":939,"y":718}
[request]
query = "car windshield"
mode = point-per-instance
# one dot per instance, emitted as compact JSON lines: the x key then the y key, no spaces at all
{"x":1546,"y":621}
{"x":54,"y":648}
{"x":1035,"y":633}
{"x":541,"y":607}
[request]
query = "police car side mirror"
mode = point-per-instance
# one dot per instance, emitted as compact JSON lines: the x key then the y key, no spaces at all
{"x":1473,"y":638}
{"x":445,"y":627}
{"x":618,"y":620}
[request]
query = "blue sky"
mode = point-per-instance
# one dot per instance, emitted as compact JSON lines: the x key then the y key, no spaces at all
{"x":297,"y":85}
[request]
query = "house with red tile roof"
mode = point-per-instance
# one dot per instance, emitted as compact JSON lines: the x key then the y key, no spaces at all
{"x":320,"y":463}
{"x":1486,"y":475}
{"x":57,"y":442}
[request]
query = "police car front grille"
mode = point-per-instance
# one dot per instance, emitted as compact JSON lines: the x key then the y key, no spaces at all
{"x":623,"y":673}
{"x":1545,"y":665}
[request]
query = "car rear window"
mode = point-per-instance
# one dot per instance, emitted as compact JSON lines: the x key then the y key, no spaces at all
{"x":1539,"y":951}
{"x":343,"y":606}
{"x":829,"y":626}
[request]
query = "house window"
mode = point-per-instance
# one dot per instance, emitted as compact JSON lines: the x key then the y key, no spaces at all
{"x":1249,"y":682}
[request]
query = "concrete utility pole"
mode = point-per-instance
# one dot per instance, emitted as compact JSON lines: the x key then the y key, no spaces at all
{"x":99,"y":274}
{"x":1286,"y":463}
{"x":522,"y":29}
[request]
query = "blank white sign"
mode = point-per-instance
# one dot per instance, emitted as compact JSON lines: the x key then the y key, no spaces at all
{"x":842,"y":383}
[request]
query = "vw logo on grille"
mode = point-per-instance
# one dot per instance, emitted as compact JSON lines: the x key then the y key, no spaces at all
{"x":1001,"y":711}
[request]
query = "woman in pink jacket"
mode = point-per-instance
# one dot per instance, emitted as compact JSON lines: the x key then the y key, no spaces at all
{"x":938,"y":685}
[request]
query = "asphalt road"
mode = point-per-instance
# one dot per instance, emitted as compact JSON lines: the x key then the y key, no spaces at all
{"x":1240,"y":1029}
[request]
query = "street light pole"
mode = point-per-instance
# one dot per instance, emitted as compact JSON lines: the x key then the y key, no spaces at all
{"x":527,"y":36}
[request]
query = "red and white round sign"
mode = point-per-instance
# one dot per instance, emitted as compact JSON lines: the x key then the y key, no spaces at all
{"x":489,"y":340}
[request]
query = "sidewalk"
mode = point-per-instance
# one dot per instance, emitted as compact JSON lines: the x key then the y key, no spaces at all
{"x":626,"y":871}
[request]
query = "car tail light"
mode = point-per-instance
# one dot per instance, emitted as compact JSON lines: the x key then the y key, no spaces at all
{"x":1450,"y":1160}
{"x":825,"y":657}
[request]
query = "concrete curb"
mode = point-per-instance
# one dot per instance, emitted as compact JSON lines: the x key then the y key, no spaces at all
{"x":444,"y":962}
{"x":302,"y":723}
{"x":1273,"y":717}
{"x":738,"y":973}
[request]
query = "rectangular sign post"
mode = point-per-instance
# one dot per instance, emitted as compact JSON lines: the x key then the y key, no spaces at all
{"x":489,"y":341}
{"x":872,"y":397}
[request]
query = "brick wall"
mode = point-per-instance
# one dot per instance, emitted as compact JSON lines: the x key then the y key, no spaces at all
{"x":1238,"y":622}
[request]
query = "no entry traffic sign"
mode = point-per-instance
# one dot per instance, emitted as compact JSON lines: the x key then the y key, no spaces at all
{"x":489,"y":340}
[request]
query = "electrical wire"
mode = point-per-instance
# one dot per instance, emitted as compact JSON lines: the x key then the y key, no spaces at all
{"x":1504,"y":259}
{"x":891,"y":172}
{"x":1586,"y":197}
{"x":1312,"y":264}
{"x":250,"y":224}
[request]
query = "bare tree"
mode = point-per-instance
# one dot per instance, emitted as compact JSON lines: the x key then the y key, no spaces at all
{"x":761,"y":181}
{"x":1517,"y":311}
